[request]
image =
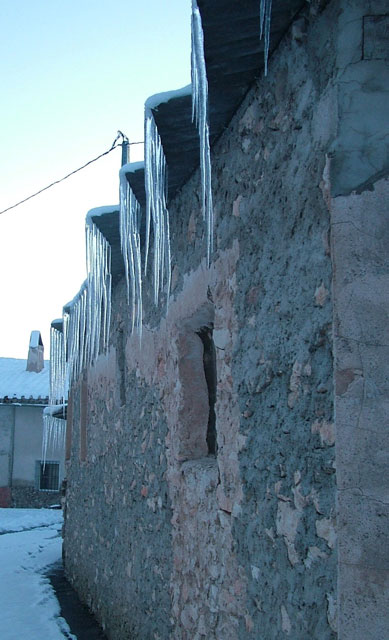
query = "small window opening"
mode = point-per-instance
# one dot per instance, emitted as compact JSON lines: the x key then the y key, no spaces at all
{"x":48,"y":476}
{"x":209,"y":363}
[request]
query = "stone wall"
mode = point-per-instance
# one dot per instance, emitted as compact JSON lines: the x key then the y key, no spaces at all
{"x":284,"y":529}
{"x":164,"y":538}
{"x":362,"y":376}
{"x":357,"y":187}
{"x":117,"y":545}
{"x":30,"y":498}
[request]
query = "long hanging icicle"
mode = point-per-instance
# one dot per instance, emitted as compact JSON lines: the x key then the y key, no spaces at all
{"x":265,"y":19}
{"x":54,"y":434}
{"x":200,"y":116}
{"x":87,"y":318}
{"x":58,"y":368}
{"x":54,"y":427}
{"x":86,"y":324}
{"x":98,"y":259}
{"x":75,"y":333}
{"x":156,"y":209}
{"x":130,"y":245}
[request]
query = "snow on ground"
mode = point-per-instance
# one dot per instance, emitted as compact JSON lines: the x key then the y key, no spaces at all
{"x":30,"y":542}
{"x":12,"y":520}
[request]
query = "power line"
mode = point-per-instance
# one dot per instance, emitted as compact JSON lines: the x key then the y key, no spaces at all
{"x":114,"y":145}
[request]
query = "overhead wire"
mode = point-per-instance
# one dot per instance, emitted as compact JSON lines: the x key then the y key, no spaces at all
{"x":114,"y":145}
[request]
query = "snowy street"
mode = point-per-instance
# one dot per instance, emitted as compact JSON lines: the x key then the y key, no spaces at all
{"x":30,"y":542}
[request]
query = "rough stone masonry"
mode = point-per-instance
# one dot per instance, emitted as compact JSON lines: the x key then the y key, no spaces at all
{"x":281,"y":530}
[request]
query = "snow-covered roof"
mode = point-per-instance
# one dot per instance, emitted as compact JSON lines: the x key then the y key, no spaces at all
{"x":234,"y":58}
{"x":17,"y":383}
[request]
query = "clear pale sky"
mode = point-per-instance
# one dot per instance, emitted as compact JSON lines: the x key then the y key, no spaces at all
{"x":72,"y":73}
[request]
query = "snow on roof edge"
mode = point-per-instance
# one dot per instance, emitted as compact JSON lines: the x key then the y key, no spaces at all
{"x":131,"y":167}
{"x":72,"y":302}
{"x":152,"y":103}
{"x":54,"y":409}
{"x":57,"y":325}
{"x":100,"y":211}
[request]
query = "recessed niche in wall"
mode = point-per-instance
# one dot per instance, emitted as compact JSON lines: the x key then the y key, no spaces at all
{"x":196,"y":432}
{"x":209,"y":363}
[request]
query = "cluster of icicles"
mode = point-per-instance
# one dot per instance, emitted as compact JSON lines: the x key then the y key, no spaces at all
{"x":200,"y":106}
{"x":54,"y":428}
{"x":86,"y":320}
{"x":54,"y":434}
{"x":130,"y":215}
{"x":85,"y":332}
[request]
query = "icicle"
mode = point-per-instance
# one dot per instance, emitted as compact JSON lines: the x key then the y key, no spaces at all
{"x":86,"y":320}
{"x":54,"y":435}
{"x":66,"y":318}
{"x":54,"y":428}
{"x":130,"y":246}
{"x":200,"y":117}
{"x":156,"y":209}
{"x":98,"y":298}
{"x":76,"y":335}
{"x":58,"y":368}
{"x":265,"y":18}
{"x":45,"y":439}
